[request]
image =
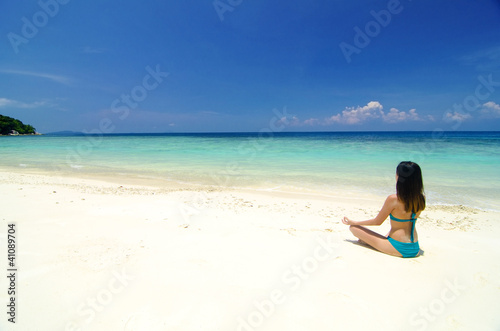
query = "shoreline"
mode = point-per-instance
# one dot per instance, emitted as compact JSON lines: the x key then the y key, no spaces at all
{"x":451,"y":214}
{"x":169,"y":184}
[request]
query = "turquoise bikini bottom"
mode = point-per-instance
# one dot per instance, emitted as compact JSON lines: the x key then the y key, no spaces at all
{"x":406,"y":249}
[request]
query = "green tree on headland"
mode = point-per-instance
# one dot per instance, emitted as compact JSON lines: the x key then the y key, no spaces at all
{"x":9,"y":124}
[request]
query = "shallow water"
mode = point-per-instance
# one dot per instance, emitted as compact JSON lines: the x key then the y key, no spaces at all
{"x":458,"y":167}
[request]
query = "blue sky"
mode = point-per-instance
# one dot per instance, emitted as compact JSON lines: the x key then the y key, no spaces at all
{"x":241,"y":65}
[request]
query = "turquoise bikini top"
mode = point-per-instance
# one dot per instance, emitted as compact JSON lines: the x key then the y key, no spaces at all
{"x":412,"y":220}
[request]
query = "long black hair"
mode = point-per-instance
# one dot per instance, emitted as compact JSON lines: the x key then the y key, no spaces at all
{"x":410,"y":186}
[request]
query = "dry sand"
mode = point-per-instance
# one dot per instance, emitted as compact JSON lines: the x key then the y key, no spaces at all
{"x":112,"y":255}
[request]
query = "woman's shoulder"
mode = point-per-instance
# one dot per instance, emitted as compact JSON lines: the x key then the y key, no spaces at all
{"x":391,"y":202}
{"x":393,"y":198}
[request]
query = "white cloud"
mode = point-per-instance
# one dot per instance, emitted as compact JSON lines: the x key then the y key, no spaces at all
{"x":484,"y":59}
{"x":5,"y":102}
{"x":490,"y":109}
{"x":355,"y":115}
{"x":18,"y":104}
{"x":312,"y":122}
{"x":395,"y":116}
{"x":456,"y":117}
{"x":56,"y":78}
{"x":372,"y":110}
{"x":288,"y":120}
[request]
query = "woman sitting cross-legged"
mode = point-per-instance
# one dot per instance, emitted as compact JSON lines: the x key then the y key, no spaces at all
{"x":403,"y":208}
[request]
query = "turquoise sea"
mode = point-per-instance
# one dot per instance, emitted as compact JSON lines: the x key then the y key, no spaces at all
{"x":459,"y":168}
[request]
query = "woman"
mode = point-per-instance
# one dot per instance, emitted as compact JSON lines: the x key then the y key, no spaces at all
{"x":404,"y":207}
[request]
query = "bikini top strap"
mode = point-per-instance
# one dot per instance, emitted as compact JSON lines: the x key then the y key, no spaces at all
{"x":412,"y":229}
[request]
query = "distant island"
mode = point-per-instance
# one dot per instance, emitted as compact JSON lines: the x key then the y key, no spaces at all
{"x":12,"y":127}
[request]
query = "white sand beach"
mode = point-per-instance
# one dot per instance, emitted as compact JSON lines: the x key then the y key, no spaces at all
{"x":115,"y":255}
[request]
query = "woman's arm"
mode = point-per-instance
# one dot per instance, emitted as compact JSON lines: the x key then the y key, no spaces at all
{"x":387,"y":208}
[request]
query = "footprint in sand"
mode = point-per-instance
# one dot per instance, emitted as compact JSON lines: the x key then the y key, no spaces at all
{"x":453,"y":322}
{"x":290,"y":231}
{"x":480,"y":279}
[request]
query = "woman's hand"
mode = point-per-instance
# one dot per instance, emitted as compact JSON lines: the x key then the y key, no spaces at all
{"x":347,"y":221}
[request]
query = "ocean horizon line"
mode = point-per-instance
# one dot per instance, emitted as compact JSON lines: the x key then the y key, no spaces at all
{"x":263,"y":133}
